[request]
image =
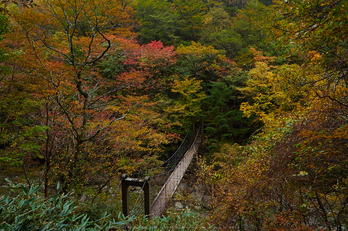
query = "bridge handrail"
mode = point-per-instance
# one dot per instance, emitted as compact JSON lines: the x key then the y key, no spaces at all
{"x":161,"y":205}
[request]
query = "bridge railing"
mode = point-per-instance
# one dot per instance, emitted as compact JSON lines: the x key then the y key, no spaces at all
{"x":162,"y":199}
{"x":165,"y":178}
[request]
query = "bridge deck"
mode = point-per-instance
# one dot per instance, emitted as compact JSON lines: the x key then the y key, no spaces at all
{"x":161,"y":201}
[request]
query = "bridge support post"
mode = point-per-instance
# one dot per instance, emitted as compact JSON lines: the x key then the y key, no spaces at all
{"x":125,"y":196}
{"x":147,"y":198}
{"x":144,"y":184}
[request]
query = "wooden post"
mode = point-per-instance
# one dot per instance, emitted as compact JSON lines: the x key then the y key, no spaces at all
{"x":125,"y":196}
{"x":147,"y":198}
{"x":144,"y":184}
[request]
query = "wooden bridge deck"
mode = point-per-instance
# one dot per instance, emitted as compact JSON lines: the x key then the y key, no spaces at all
{"x":161,"y":201}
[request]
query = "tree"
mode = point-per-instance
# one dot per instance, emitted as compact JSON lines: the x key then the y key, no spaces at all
{"x":232,"y":6}
{"x":65,"y":44}
{"x":188,"y":102}
{"x":172,"y":22}
{"x":219,"y":79}
{"x":292,"y":174}
{"x":202,"y":62}
{"x":20,"y":143}
{"x":30,"y":211}
{"x":313,"y":30}
{"x":217,"y":31}
{"x":156,"y":62}
{"x":158,"y":22}
{"x":224,"y":121}
{"x":190,"y":19}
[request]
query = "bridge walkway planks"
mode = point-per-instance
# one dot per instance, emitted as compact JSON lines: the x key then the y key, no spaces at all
{"x":161,"y":201}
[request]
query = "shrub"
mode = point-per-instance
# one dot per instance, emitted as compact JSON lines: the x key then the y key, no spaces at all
{"x":29,"y":211}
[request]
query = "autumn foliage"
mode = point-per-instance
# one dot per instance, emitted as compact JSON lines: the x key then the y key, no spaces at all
{"x":91,"y":89}
{"x":292,"y":175}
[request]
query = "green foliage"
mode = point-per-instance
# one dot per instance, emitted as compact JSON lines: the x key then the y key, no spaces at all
{"x":29,"y":211}
{"x":276,"y":91}
{"x":172,"y":22}
{"x":218,"y":31}
{"x":112,"y":66}
{"x":250,"y":23}
{"x":220,"y":81}
{"x":25,"y":145}
{"x":312,"y":26}
{"x":91,"y":106}
{"x":188,"y":102}
{"x":4,"y":22}
{"x":20,"y":138}
{"x":190,"y":18}
{"x":249,"y":27}
{"x":225,"y":122}
{"x":202,"y":62}
{"x":314,"y":33}
{"x":293,"y":173}
{"x":185,"y":220}
{"x":4,"y":27}
{"x":232,"y":7}
{"x":89,"y":86}
{"x":158,"y":21}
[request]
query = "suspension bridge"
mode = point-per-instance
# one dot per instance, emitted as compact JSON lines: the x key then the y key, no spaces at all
{"x":157,"y":185}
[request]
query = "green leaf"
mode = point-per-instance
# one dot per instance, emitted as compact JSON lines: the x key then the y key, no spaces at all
{"x":24,"y":190}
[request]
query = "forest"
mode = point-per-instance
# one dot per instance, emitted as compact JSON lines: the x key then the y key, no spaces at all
{"x":92,"y":89}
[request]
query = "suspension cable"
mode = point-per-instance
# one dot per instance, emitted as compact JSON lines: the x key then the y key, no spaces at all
{"x":113,"y":195}
{"x":137,"y":201}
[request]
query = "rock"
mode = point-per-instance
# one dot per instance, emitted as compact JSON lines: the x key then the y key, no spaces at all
{"x":198,"y":196}
{"x":201,"y":188}
{"x":206,"y":202}
{"x":182,"y":186}
{"x":83,"y":198}
{"x":178,"y":205}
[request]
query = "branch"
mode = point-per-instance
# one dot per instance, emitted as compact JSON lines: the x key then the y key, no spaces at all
{"x":104,"y":52}
{"x":108,"y":93}
{"x":68,"y":116}
{"x":106,"y":126}
{"x":66,"y":57}
{"x":38,"y":57}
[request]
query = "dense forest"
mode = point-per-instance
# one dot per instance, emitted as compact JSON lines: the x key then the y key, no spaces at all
{"x":92,"y":89}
